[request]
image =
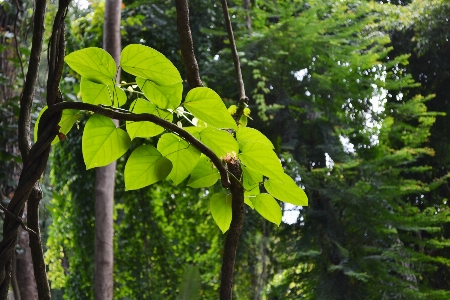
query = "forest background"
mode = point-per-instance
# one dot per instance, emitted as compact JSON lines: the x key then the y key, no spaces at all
{"x":353,"y":95}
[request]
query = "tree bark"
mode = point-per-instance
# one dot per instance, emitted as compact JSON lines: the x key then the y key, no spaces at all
{"x":24,"y":266}
{"x":234,"y":233}
{"x":105,"y":176}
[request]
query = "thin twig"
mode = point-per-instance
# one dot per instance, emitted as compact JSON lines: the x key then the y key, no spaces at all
{"x":18,"y":219}
{"x":243,"y":99}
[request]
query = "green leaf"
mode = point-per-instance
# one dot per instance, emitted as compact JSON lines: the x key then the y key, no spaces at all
{"x":194,"y":130}
{"x":267,"y":207}
{"x":219,"y":141}
{"x":162,"y":96}
{"x":220,"y":205}
{"x":68,"y":118}
{"x":248,"y":201}
{"x":249,"y":195}
{"x":94,"y":64}
{"x":207,"y":106}
{"x":146,"y":129}
{"x":247,"y":134}
{"x":145,"y":166}
{"x":190,"y":284}
{"x":148,"y":63}
{"x":183,"y":156}
{"x":243,"y":121}
{"x":286,"y":191}
{"x":95,"y":93}
{"x":102,"y":142}
{"x":259,"y":158}
{"x":250,"y":178}
{"x":204,"y":174}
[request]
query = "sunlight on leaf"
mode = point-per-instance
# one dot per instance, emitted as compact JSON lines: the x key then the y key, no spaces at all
{"x":206,"y":105}
{"x":144,"y":128}
{"x":267,"y":207}
{"x":94,"y":64}
{"x":102,"y":142}
{"x":220,"y":205}
{"x":146,"y":62}
{"x":184,"y":157}
{"x":145,"y":166}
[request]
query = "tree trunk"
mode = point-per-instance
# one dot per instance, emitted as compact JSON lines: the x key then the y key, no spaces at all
{"x":24,"y":266}
{"x":105,"y":176}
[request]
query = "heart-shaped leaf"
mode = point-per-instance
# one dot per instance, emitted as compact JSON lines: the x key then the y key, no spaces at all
{"x":247,"y":134}
{"x":94,"y":64}
{"x":102,"y":142}
{"x":206,"y":105}
{"x":145,"y":166}
{"x":204,"y":174}
{"x":261,"y":159}
{"x":146,"y":129}
{"x":220,"y":206}
{"x":250,"y":178}
{"x":219,"y":141}
{"x":146,"y":62}
{"x":184,"y":157}
{"x":267,"y":207}
{"x":163,"y":96}
{"x":286,"y":191}
{"x":95,"y":93}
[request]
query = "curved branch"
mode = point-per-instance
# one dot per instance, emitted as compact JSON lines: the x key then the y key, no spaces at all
{"x":26,"y":99}
{"x":125,"y":116}
{"x":187,"y":45}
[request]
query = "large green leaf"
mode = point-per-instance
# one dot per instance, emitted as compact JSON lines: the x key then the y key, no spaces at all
{"x":95,"y":93}
{"x":267,"y":207}
{"x":248,"y":201}
{"x":194,"y":130}
{"x":68,"y":118}
{"x":250,"y":178}
{"x":162,"y":96}
{"x":94,"y":64}
{"x":261,"y":159}
{"x":190,"y":284}
{"x":146,"y":129}
{"x":247,"y":134}
{"x":219,"y":141}
{"x":286,"y":191}
{"x":220,"y":205}
{"x":204,"y":174}
{"x":145,"y":166}
{"x":102,"y":142}
{"x":207,"y":106}
{"x":183,"y":156}
{"x":146,"y":62}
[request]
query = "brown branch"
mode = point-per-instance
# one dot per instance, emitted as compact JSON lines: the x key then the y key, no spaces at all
{"x":18,"y":219}
{"x":234,"y":233}
{"x":187,"y":45}
{"x":35,"y":243}
{"x":243,"y":99}
{"x":26,"y":99}
{"x":114,"y":114}
{"x":19,"y":9}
